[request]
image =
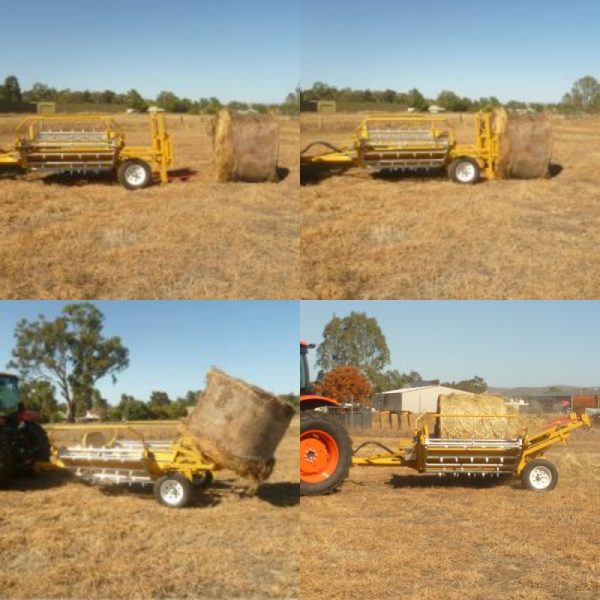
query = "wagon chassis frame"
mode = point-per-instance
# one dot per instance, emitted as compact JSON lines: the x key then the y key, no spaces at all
{"x":408,"y":142}
{"x":84,"y":144}
{"x":139,"y":461}
{"x":493,"y":457}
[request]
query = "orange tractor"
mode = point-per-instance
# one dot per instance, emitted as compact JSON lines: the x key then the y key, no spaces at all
{"x":325,"y":446}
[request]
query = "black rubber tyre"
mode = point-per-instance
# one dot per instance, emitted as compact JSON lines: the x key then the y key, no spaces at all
{"x":203,"y":481}
{"x":464,"y":170}
{"x":134,"y":174}
{"x":38,"y":441}
{"x":320,"y":433}
{"x":539,"y":475}
{"x":173,"y":490}
{"x":6,"y":462}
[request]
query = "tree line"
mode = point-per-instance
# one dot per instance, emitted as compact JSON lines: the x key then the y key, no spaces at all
{"x":353,"y":359}
{"x":584,"y":96}
{"x":11,"y":94}
{"x":61,"y":361}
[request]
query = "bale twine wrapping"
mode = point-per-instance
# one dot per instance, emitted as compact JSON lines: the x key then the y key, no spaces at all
{"x":245,"y":147}
{"x":524,"y":145}
{"x":238,"y":426}
{"x":476,"y":427}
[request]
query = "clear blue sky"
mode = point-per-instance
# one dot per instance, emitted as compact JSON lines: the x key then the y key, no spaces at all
{"x":172,"y":343}
{"x":508,"y":343}
{"x":232,"y":49}
{"x":516,"y":49}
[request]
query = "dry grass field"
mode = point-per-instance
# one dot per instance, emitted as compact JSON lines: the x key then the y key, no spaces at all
{"x":194,"y":239}
{"x":368,"y":237}
{"x":64,"y":539}
{"x":390,"y":533}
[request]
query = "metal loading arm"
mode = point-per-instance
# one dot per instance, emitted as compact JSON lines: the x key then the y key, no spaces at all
{"x":536,"y":445}
{"x":336,"y":157}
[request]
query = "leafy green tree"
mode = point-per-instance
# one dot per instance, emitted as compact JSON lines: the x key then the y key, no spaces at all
{"x":476,"y":385}
{"x":416,"y":100}
{"x":11,"y":90}
{"x":355,"y":340}
{"x":190,"y":398}
{"x":70,"y":352}
{"x":159,"y":405}
{"x":39,"y":395}
{"x":394,"y":380}
{"x":236,"y":105}
{"x":132,"y":409}
{"x":134,"y":100}
{"x":584,"y":95}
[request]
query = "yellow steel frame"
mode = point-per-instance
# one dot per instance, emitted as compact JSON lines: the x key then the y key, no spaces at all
{"x":411,"y":451}
{"x":183,"y":456}
{"x":534,"y":446}
{"x":484,"y":150}
{"x":159,"y":155}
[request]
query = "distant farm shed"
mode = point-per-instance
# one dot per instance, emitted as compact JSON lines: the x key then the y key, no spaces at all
{"x":46,"y":108}
{"x":318,"y":106}
{"x":416,"y":399}
{"x":436,"y":110}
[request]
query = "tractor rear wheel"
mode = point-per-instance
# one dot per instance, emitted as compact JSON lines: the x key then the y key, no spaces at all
{"x":38,"y":441}
{"x":35,"y":448}
{"x":6,"y":462}
{"x":464,"y":170}
{"x":134,"y":174}
{"x":325,"y":453}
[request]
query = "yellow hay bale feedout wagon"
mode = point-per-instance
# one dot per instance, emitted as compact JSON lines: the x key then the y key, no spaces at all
{"x":90,"y":144}
{"x":175,"y":468}
{"x":410,"y":143}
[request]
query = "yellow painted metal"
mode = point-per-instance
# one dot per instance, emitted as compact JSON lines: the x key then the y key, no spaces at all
{"x":182,"y":456}
{"x":534,"y":446}
{"x":411,"y":452}
{"x":112,"y":145}
{"x":484,"y":149}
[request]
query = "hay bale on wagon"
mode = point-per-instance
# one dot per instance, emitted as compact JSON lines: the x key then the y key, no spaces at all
{"x":524,"y":145}
{"x":238,"y":426}
{"x":245,"y":147}
{"x":476,"y":427}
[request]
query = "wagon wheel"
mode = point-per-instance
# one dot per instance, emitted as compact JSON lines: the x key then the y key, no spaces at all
{"x":203,"y":481}
{"x":173,"y":490}
{"x":134,"y":174}
{"x":539,"y":475}
{"x":464,"y":170}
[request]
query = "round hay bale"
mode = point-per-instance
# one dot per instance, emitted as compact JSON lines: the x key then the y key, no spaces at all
{"x":524,"y":145}
{"x":476,"y":427}
{"x":238,"y":426}
{"x":245,"y":147}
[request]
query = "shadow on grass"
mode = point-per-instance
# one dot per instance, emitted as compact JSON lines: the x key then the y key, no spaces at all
{"x":282,"y":173}
{"x":200,"y":498}
{"x":314,"y":174}
{"x":434,"y":481}
{"x":80,"y":179}
{"x":419,"y":175}
{"x":280,"y":494}
{"x":39,"y":481}
{"x":555,"y":170}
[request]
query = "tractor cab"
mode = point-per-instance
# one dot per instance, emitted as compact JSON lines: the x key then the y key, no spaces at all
{"x":10,"y":399}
